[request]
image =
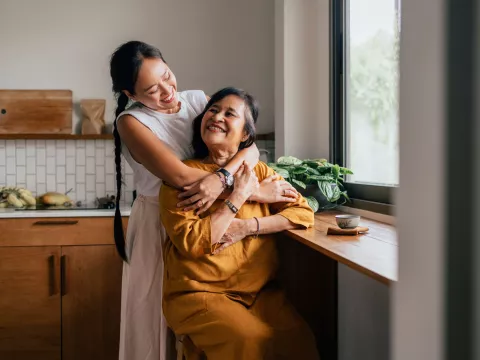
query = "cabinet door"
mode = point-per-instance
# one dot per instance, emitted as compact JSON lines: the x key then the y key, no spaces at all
{"x":30,"y":310}
{"x":92,"y":281}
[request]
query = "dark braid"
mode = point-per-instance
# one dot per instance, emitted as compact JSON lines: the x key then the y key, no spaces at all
{"x":124,"y":67}
{"x":118,"y":232}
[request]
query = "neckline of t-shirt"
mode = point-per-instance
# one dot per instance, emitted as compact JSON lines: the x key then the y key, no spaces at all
{"x":183,"y":107}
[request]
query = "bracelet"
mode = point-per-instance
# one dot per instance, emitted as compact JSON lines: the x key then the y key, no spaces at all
{"x":231,"y":206}
{"x":258,"y":228}
{"x":222,"y":179}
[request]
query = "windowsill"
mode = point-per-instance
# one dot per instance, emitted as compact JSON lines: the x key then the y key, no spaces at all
{"x":374,"y":254}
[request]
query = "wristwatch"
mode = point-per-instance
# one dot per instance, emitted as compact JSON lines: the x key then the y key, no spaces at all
{"x":229,"y":179}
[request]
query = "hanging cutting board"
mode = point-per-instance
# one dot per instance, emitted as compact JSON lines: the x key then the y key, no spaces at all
{"x":35,"y":112}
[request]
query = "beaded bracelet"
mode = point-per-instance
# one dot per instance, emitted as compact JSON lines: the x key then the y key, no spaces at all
{"x":222,"y":179}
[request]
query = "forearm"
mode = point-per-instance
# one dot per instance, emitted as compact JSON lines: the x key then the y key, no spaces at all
{"x":268,"y":225}
{"x":250,"y":154}
{"x":222,"y":218}
{"x":184,"y":176}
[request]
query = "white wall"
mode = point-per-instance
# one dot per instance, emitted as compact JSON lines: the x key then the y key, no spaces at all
{"x":302,"y":78}
{"x":208,"y":43}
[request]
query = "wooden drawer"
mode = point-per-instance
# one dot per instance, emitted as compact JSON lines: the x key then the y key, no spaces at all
{"x":57,"y":231}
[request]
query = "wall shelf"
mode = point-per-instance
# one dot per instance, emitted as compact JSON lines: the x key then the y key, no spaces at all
{"x":56,"y":137}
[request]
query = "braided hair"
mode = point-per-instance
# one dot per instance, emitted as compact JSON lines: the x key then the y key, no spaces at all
{"x":125,"y":64}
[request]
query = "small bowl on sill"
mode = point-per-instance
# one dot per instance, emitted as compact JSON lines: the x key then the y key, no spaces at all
{"x":347,"y":221}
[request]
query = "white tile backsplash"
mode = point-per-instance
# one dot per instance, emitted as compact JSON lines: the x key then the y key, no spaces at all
{"x":11,"y":179}
{"x":51,"y":149}
{"x":60,"y":156}
{"x":86,"y":167}
{"x":2,"y":157}
{"x":110,"y":167}
{"x":81,"y":157}
{"x":31,"y":148}
{"x":90,"y":183}
{"x":71,"y":183}
{"x":41,"y":157}
{"x":70,"y":148}
{"x":11,"y":166}
{"x":90,"y":148}
{"x":70,"y":165}
{"x":61,"y":174}
{"x":20,"y":156}
{"x":20,"y":143}
{"x":100,"y":156}
{"x":21,"y":174}
{"x":51,"y":168}
{"x":90,"y":169}
{"x":11,"y":148}
{"x":31,"y":165}
{"x":80,"y":174}
{"x":100,"y":174}
{"x":41,"y":176}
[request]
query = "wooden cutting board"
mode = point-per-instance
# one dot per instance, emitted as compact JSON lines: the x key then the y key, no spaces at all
{"x":35,"y":111}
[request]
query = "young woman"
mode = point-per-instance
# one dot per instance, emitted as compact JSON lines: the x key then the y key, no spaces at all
{"x":154,"y":135}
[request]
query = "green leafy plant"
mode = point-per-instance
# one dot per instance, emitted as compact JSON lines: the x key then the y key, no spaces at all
{"x":328,"y":177}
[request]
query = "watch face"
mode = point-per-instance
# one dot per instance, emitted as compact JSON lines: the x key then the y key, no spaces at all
{"x":229,"y":180}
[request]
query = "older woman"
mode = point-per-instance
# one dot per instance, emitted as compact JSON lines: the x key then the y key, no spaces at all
{"x":220,"y":267}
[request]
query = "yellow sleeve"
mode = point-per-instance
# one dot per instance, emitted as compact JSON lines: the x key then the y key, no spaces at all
{"x":189,"y":233}
{"x":299,"y":212}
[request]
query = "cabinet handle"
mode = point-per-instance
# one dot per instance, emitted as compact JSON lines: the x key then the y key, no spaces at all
{"x":55,"y":222}
{"x":63,"y":273}
{"x":51,"y":275}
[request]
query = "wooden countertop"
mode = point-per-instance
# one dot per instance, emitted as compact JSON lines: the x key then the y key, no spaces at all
{"x":374,"y":254}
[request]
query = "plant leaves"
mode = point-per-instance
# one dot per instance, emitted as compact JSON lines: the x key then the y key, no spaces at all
{"x":346,"y":171}
{"x":326,"y":189}
{"x":321,"y":178}
{"x":289,"y":160}
{"x":313,"y":203}
{"x":300,"y":170}
{"x":300,"y":183}
{"x":336,"y":193}
{"x":336,"y":171}
{"x":282,"y":172}
{"x":313,"y":171}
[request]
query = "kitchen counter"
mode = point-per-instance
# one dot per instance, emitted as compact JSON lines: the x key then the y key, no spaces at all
{"x":11,"y":213}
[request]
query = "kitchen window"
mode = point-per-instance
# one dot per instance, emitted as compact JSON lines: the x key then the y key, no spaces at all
{"x":365,"y":73}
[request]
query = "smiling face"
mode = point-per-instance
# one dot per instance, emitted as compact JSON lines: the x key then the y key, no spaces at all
{"x":156,"y":86}
{"x":223,"y":125}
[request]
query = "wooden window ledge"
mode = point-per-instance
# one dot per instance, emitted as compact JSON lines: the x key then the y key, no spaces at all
{"x":373,"y":254}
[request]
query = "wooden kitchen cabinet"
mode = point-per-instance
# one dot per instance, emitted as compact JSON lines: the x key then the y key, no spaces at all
{"x":91,"y":302}
{"x":59,"y":300}
{"x":30,"y":309}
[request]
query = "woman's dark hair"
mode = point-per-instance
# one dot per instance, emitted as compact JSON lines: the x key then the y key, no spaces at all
{"x":125,"y":64}
{"x":251,"y":115}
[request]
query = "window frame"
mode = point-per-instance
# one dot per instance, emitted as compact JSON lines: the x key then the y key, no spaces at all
{"x":378,"y":198}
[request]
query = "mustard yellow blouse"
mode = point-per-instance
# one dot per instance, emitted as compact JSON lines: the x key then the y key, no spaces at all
{"x":241,"y":270}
